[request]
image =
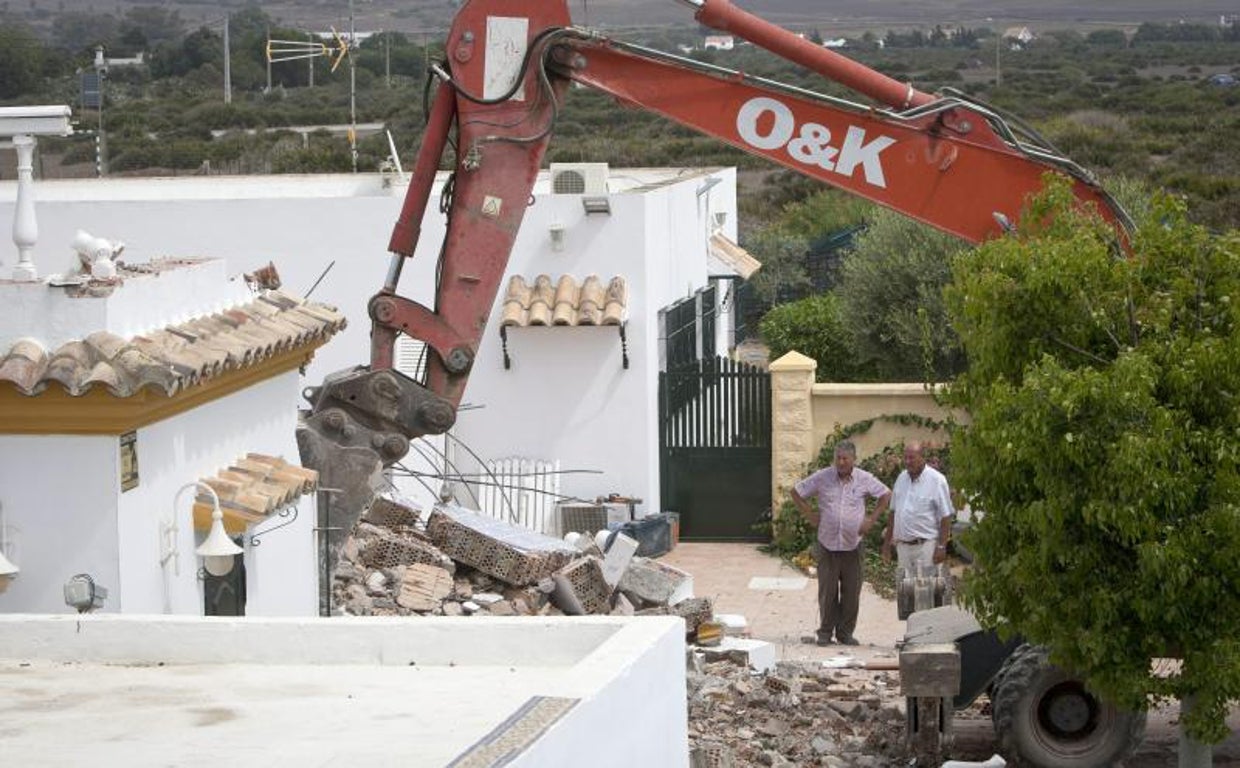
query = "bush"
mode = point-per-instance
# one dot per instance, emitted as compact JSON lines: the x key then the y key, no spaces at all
{"x":814,"y":328}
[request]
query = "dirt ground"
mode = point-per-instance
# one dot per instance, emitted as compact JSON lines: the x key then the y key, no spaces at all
{"x":784,"y":608}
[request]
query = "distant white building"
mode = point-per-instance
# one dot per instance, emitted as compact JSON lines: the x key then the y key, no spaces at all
{"x":719,"y":42}
{"x":1019,"y":35}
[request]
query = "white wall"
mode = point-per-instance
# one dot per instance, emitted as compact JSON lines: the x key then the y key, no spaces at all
{"x":58,"y":503}
{"x":281,"y":573}
{"x":566,"y":396}
{"x":62,"y":515}
{"x":59,"y":495}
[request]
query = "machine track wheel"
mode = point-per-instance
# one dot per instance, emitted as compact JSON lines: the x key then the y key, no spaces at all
{"x":1047,"y":718}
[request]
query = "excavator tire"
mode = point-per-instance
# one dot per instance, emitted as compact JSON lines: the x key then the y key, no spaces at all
{"x":1046,"y":718}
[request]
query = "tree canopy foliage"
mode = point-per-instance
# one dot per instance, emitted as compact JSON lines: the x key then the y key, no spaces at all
{"x":891,"y":292}
{"x":1104,"y":447}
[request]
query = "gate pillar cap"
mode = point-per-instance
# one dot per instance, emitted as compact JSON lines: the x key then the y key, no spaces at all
{"x":793,"y":361}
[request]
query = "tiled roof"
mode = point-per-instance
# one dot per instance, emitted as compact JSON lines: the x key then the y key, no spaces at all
{"x":252,"y":488}
{"x":174,"y":357}
{"x":564,"y":302}
{"x":732,"y":257}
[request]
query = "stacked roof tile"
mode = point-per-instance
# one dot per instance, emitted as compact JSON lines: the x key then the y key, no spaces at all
{"x":252,"y":488}
{"x":176,"y":357}
{"x":564,"y":302}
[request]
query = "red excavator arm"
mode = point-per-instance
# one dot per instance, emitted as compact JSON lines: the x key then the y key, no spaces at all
{"x":946,"y":160}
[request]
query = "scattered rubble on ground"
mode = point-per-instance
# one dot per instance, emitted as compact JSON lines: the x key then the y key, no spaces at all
{"x":798,"y":714}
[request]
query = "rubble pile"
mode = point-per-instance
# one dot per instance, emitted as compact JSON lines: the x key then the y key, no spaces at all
{"x":458,"y":563}
{"x":797,"y":714}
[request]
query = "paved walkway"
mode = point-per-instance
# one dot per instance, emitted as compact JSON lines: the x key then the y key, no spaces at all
{"x":779,"y":602}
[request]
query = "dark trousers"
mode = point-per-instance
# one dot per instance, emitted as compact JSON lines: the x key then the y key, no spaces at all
{"x":839,"y":591}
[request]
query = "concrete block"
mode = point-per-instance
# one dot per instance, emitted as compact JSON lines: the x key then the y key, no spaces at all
{"x":931,"y":670}
{"x":510,"y":553}
{"x":695,"y":611}
{"x":581,"y":589}
{"x":622,"y":607}
{"x":755,"y":654}
{"x":733,"y":624}
{"x":650,"y":582}
{"x":711,"y":756}
{"x":617,"y":559}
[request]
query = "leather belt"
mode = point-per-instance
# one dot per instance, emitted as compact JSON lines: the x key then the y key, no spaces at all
{"x":913,"y":541}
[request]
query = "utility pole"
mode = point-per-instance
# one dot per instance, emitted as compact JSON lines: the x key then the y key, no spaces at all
{"x":101,"y":141}
{"x":998,"y":47}
{"x":387,"y":60}
{"x":352,"y":91}
{"x":311,"y":60}
{"x":227,"y":65}
{"x":268,"y":65}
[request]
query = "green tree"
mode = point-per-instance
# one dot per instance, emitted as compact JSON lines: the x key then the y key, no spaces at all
{"x":79,"y":31}
{"x":20,"y":61}
{"x":891,"y":295}
{"x":1104,"y":448}
{"x":814,"y":327}
{"x":783,"y":264}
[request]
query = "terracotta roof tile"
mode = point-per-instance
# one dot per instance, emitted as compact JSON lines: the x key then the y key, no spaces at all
{"x":733,"y":257}
{"x":252,"y":488}
{"x":564,"y":302}
{"x":173,"y":358}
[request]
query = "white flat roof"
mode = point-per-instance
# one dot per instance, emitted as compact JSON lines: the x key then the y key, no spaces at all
{"x":138,"y":691}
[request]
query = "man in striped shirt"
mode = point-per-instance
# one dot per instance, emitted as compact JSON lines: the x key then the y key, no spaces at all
{"x":841,"y":491}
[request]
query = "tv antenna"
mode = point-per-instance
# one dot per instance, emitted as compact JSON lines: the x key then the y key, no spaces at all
{"x":336,"y":50}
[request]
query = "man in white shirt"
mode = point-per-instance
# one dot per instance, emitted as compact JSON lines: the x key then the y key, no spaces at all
{"x":921,"y":513}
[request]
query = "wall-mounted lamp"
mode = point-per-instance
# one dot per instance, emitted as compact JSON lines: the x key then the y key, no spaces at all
{"x":217,"y":552}
{"x":708,"y":185}
{"x":721,"y":218}
{"x":596,"y":204}
{"x":8,"y":571}
{"x":557,"y":236}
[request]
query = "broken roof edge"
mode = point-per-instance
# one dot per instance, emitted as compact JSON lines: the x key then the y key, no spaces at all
{"x":733,"y":257}
{"x":175,"y":357}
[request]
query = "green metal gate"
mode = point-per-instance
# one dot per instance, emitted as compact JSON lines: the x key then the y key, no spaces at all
{"x":715,"y":448}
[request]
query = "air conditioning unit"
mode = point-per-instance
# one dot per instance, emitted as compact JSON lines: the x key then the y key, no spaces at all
{"x":583,"y":518}
{"x":579,"y":178}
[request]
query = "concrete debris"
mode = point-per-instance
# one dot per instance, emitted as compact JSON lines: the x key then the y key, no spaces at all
{"x":649,"y":582}
{"x":424,"y":587}
{"x":398,"y":562}
{"x":733,"y":624}
{"x":757,"y":655}
{"x":391,"y":513}
{"x":786,"y":716}
{"x":618,"y":557}
{"x":513,"y":554}
{"x":694,"y":611}
{"x":581,"y":588}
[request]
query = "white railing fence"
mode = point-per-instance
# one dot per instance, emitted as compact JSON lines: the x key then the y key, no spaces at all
{"x":522,"y":491}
